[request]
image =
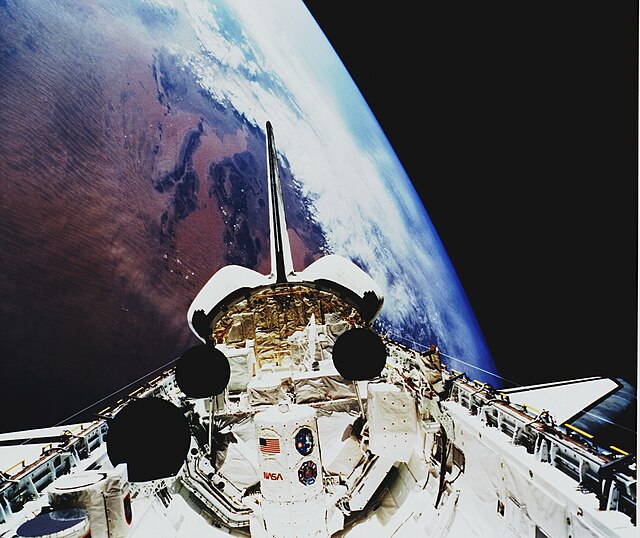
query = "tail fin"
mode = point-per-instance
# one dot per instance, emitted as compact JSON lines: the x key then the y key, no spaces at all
{"x":281,"y":261}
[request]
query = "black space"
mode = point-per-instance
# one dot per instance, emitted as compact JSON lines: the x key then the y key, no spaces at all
{"x":517,"y":123}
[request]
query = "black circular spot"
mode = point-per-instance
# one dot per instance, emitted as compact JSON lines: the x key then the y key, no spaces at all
{"x":359,"y":354}
{"x":202,"y":371}
{"x":151,"y":436}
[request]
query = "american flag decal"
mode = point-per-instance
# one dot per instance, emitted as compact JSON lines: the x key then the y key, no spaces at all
{"x":269,"y":445}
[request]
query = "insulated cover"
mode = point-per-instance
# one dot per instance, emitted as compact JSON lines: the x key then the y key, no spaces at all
{"x":104,"y":495}
{"x":301,"y":518}
{"x":117,"y":500}
{"x":241,"y":363}
{"x":83,"y":490}
{"x":288,"y":453}
{"x":240,"y":465}
{"x":393,"y":421}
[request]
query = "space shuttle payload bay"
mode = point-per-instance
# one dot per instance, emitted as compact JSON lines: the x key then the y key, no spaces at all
{"x":295,"y":418}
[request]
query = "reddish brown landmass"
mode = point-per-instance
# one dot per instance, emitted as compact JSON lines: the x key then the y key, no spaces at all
{"x":110,"y":215}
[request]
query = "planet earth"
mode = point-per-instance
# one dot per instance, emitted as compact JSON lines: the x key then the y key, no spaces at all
{"x":133,"y":167}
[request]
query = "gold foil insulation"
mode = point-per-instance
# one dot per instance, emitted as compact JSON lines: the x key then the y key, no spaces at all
{"x":269,"y":318}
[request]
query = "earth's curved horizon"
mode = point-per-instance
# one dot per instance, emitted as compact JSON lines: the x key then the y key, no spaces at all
{"x":133,"y":167}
